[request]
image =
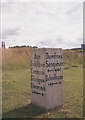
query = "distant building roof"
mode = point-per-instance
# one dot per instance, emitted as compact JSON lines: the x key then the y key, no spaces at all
{"x":3,"y":44}
{"x":83,"y":46}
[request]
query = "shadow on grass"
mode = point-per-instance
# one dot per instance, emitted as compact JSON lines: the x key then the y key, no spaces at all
{"x":28,"y":111}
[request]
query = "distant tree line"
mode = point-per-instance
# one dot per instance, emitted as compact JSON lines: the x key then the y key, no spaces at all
{"x":23,"y":46}
{"x":74,"y":49}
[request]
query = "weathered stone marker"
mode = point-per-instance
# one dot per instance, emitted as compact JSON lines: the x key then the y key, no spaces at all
{"x":47,"y":77}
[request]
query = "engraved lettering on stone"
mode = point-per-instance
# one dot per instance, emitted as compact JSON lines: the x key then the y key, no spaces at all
{"x":46,"y":76}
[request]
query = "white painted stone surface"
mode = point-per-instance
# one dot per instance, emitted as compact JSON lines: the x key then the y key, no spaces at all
{"x":47,"y":77}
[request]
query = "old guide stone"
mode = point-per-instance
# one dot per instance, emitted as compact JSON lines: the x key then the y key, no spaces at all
{"x":47,"y":77}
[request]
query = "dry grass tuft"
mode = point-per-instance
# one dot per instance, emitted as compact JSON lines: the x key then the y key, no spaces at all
{"x":16,"y":57}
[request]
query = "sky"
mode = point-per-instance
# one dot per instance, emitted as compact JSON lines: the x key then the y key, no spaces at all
{"x":42,"y":23}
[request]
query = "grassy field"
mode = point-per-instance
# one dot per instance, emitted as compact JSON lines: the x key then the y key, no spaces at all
{"x":16,"y":86}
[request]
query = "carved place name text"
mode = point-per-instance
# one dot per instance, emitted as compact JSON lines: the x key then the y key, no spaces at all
{"x":37,"y":87}
{"x":38,"y":93}
{"x":37,"y":71}
{"x":54,"y":56}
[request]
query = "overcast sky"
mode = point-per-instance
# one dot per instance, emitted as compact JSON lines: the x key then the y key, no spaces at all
{"x":44,"y":24}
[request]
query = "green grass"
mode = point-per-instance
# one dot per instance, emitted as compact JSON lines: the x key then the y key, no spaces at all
{"x":16,"y":93}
